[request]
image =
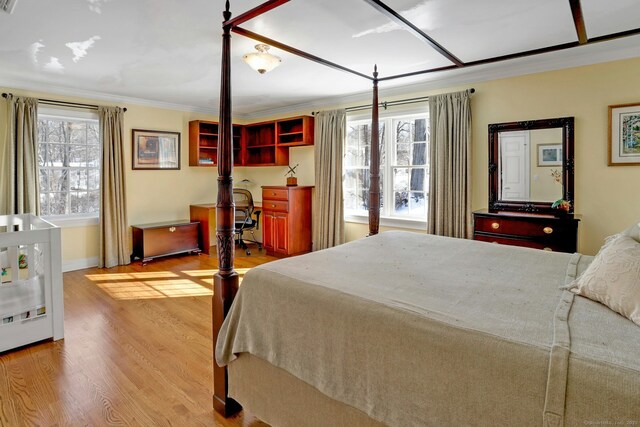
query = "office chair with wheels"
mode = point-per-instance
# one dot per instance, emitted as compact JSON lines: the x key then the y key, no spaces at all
{"x":244,"y":218}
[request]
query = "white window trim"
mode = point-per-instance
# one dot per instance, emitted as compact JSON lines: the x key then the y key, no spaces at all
{"x":73,"y":221}
{"x":410,"y":223}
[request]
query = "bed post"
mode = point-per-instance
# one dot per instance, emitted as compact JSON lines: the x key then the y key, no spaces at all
{"x":374,"y":164}
{"x":226,"y":279}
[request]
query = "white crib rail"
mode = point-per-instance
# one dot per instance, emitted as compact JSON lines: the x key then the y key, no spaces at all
{"x":31,"y":298}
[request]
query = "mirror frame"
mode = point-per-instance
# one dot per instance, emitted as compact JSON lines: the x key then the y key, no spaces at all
{"x":530,"y":206}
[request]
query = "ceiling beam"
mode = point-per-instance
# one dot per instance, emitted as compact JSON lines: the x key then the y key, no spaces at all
{"x":578,"y":20}
{"x":399,"y":19}
{"x":294,"y":51}
{"x":256,"y":11}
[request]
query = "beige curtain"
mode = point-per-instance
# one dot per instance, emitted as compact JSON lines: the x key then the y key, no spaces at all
{"x":328,"y":210}
{"x":450,"y":165}
{"x":19,"y":164}
{"x":114,"y":241}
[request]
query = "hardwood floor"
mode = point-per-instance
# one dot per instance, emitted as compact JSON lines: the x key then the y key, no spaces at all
{"x":137,"y":351}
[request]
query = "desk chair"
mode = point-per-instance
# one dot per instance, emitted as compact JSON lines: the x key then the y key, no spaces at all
{"x":244,"y":219}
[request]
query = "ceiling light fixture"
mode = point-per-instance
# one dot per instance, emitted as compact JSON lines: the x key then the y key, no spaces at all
{"x":262,"y":61}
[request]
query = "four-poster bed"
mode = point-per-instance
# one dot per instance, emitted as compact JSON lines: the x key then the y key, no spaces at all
{"x":457,"y":341}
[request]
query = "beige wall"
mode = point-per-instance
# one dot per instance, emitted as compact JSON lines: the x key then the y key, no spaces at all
{"x":604,"y":195}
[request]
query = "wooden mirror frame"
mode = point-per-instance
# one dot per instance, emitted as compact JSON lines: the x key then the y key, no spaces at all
{"x":530,"y":206}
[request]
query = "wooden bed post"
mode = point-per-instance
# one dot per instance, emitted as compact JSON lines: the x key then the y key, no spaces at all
{"x":374,"y":164}
{"x":226,"y":279}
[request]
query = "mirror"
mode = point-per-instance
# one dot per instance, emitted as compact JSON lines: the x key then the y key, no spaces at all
{"x":531,"y":165}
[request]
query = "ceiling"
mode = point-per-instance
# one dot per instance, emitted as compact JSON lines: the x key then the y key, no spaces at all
{"x":167,"y":53}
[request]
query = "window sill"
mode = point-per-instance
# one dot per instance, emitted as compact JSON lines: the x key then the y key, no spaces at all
{"x":63,"y":221}
{"x":412,"y":224}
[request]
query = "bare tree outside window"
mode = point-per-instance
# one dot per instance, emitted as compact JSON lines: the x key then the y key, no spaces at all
{"x":69,"y":157}
{"x":404,"y":172}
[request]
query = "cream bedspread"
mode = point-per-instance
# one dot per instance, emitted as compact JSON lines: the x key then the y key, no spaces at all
{"x":415,"y":329}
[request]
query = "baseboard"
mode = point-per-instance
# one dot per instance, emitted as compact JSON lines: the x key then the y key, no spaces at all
{"x":79,"y":264}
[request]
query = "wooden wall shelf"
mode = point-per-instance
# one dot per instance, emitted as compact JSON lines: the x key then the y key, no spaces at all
{"x":256,"y":144}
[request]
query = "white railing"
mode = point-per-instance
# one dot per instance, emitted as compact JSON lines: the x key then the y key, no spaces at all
{"x":31,"y":299}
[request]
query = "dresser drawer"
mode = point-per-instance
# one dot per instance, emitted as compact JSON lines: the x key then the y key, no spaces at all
{"x":275,"y":205}
{"x":535,"y":244}
{"x":540,"y":227}
{"x":275,"y":194}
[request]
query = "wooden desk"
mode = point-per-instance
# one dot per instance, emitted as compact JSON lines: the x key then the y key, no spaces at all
{"x":205,"y":214}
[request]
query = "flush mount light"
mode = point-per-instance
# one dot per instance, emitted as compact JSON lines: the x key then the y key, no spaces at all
{"x":262,"y":61}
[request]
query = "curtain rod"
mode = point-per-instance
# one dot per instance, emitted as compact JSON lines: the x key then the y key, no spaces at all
{"x":386,"y":104}
{"x":64,"y":103}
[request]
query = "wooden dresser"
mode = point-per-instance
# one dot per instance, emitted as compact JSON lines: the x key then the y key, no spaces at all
{"x":286,"y":213}
{"x":164,"y":238}
{"x":551,"y":233}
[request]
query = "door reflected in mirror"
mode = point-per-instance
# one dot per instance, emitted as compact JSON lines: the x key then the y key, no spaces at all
{"x":530,"y":165}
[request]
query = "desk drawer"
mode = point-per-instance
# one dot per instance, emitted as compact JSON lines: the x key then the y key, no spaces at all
{"x":275,"y":205}
{"x":275,"y":194}
{"x":518,"y":227}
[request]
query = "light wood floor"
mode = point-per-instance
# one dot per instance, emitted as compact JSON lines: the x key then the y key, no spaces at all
{"x":137,"y":351}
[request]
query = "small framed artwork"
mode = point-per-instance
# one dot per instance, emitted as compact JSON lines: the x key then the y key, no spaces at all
{"x":549,"y":154}
{"x":154,"y":149}
{"x":624,"y":135}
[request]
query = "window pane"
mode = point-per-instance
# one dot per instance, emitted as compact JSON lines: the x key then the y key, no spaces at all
{"x":78,"y":133}
{"x":420,"y":130}
{"x":78,"y":156}
{"x":93,"y":133}
{"x":94,"y":179}
{"x":403,"y":154}
{"x":57,"y":203}
{"x":419,"y":154}
{"x":417,"y":179}
{"x":417,"y":204}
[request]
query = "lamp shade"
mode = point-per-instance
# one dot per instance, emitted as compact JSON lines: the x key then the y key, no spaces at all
{"x":262,"y":61}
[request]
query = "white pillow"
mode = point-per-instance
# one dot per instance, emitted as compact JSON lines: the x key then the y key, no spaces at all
{"x":613,"y":277}
{"x":633,"y":232}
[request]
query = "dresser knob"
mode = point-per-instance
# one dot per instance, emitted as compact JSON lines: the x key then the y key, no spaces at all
{"x":273,"y":206}
{"x":547,"y":230}
{"x":548,"y":249}
{"x":495,"y":225}
{"x":172,"y":229}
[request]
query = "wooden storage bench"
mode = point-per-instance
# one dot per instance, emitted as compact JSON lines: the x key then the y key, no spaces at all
{"x":164,"y":238}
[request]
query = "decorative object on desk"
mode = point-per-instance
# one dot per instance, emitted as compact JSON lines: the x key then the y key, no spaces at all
{"x":155,"y":149}
{"x":557,"y":176}
{"x":562,"y":205}
{"x":262,"y":61}
{"x":292,"y":181}
{"x":549,"y":154}
{"x":624,"y":135}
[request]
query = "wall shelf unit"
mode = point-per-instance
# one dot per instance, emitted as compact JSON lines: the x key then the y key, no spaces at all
{"x":203,"y":143}
{"x":256,"y":144}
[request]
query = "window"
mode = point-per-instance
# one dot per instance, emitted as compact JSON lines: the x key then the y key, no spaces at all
{"x":404,"y":170}
{"x":69,"y":153}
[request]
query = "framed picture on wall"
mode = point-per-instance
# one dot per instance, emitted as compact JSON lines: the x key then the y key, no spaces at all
{"x":155,"y":149}
{"x":549,"y":154}
{"x":624,"y":134}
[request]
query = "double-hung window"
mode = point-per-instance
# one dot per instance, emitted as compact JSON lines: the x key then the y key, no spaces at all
{"x":404,"y":170}
{"x":69,"y":153}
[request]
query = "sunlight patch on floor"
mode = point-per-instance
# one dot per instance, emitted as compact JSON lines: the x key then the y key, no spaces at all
{"x":158,"y":284}
{"x":154,"y":289}
{"x":130,"y":276}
